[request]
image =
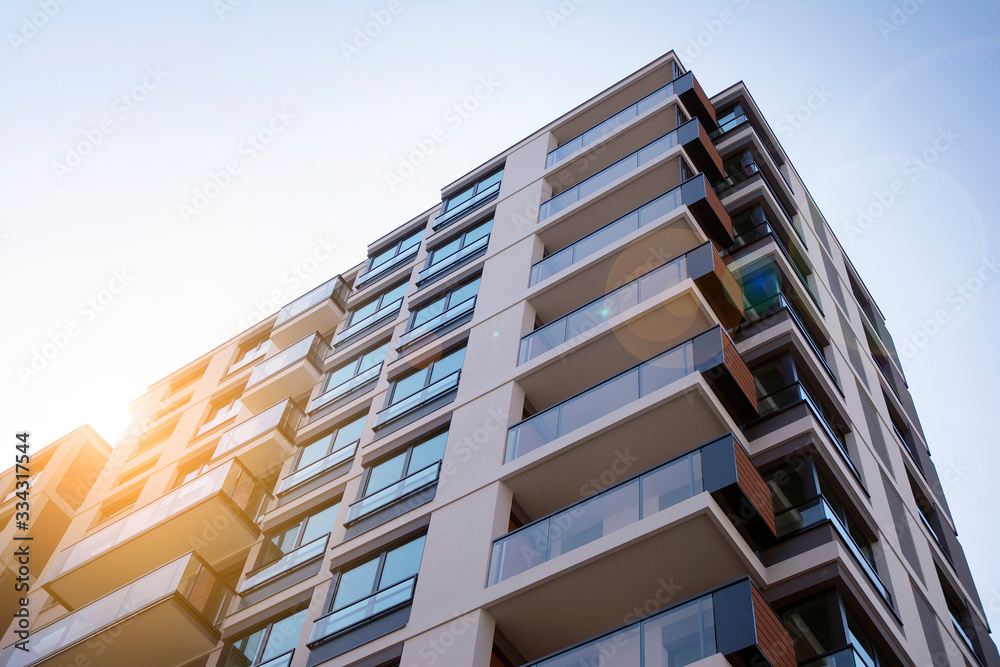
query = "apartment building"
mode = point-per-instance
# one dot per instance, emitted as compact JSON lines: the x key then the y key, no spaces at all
{"x":59,"y":479}
{"x":619,"y":399}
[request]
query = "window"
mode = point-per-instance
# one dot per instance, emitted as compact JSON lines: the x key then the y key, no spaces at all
{"x":393,"y":255}
{"x":416,"y":382}
{"x":370,"y":312}
{"x":468,"y":198}
{"x":929,"y":516}
{"x":137,"y":470}
{"x":191,"y":469}
{"x":730,"y":117}
{"x":400,"y":475}
{"x":809,"y":626}
{"x":118,"y":504}
{"x":151,"y":439}
{"x":961,"y":620}
{"x":460,"y":249}
{"x":447,"y":309}
{"x":375,"y":586}
{"x":249,"y":353}
{"x":360,"y":370}
{"x":346,"y":435}
{"x":186,"y":379}
{"x":221,"y":410}
{"x":274,"y":640}
{"x":290,"y":538}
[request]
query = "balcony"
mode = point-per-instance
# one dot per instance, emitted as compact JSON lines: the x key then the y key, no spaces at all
{"x":818,"y":511}
{"x":736,"y":180}
{"x":721,"y":468}
{"x":182,"y":602}
{"x":263,"y":442}
{"x":388,"y":267}
{"x":449,"y":263}
{"x":438,"y":393}
{"x":733,"y":620}
{"x":454,"y":317}
{"x":318,"y":310}
{"x":766,"y":230}
{"x":695,"y":100}
{"x":619,"y":250}
{"x":702,"y":265}
{"x":690,"y":135}
{"x":795,"y":401}
{"x":289,"y":566}
{"x":224,"y":415}
{"x":213,"y":514}
{"x":480,"y":198}
{"x":389,"y":599}
{"x":845,"y":657}
{"x":711,"y":353}
{"x":771,"y":307}
{"x":345,"y":388}
{"x":365,"y":324}
{"x":290,"y":373}
{"x":329,"y":462}
{"x":393,"y":493}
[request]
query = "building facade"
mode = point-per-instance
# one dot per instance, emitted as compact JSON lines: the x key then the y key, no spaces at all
{"x":620,"y":399}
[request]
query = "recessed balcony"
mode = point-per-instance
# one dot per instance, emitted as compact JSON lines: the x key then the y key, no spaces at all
{"x":263,"y":442}
{"x":721,"y":468}
{"x":320,"y":310}
{"x":732,"y":620}
{"x":710,"y":353}
{"x":291,"y":373}
{"x":702,"y":265}
{"x":213,"y":514}
{"x":174,"y":611}
{"x":670,"y":223}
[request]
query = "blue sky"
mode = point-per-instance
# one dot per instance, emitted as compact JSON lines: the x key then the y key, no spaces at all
{"x":173,"y":170}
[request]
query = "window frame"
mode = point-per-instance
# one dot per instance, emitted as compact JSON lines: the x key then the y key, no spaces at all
{"x":350,"y":320}
{"x":399,"y":250}
{"x":332,"y":434}
{"x":445,"y":295}
{"x":377,"y":586}
{"x":393,"y":399}
{"x":258,"y":658}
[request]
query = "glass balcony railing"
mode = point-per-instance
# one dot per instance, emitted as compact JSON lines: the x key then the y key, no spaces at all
{"x":456,"y":312}
{"x":603,"y":308}
{"x":763,"y":230}
{"x":457,"y":258}
{"x":602,"y":399}
{"x":606,"y":512}
{"x":187,"y":578}
{"x":607,"y":235}
{"x":728,"y":125}
{"x":794,"y":394}
{"x":677,"y":636}
{"x":845,"y":657}
{"x":386,"y":267}
{"x":390,"y":309}
{"x":283,"y":660}
{"x":963,"y":633}
{"x":346,"y":617}
{"x":596,"y":133}
{"x":286,"y":563}
{"x":231,"y":479}
{"x":608,"y":175}
{"x":221,"y":418}
{"x":736,"y":177}
{"x":410,"y":403}
{"x":311,"y":347}
{"x":462,"y":209}
{"x":335,"y":289}
{"x":283,"y":416}
{"x":818,"y":510}
{"x":395,"y":492}
{"x":768,"y":307}
{"x":328,"y":462}
{"x":346,"y":387}
{"x":250,"y":358}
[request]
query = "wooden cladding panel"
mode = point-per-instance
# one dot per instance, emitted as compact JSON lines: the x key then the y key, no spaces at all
{"x":773,"y":639}
{"x":738,"y":369}
{"x":754,"y":487}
